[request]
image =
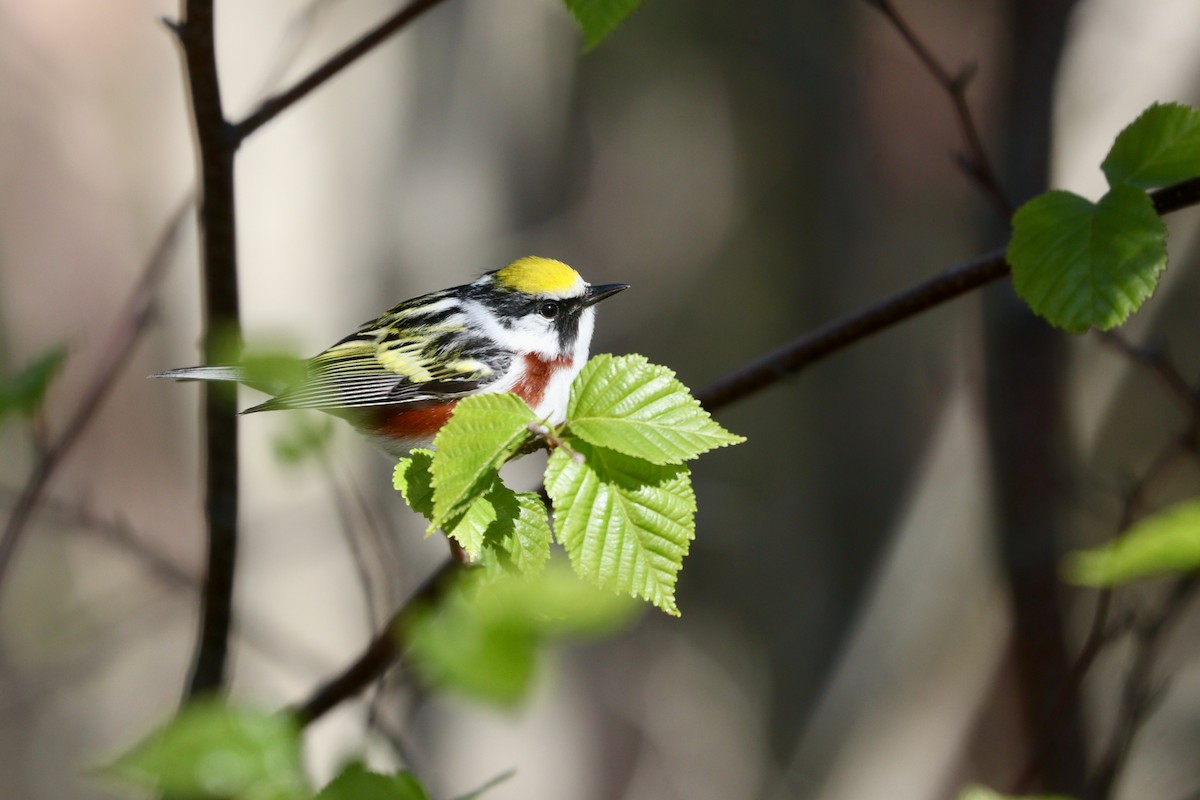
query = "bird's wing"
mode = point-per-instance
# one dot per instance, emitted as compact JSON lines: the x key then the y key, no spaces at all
{"x":379,"y":365}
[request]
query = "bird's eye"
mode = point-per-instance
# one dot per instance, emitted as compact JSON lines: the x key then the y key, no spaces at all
{"x":548,"y":310}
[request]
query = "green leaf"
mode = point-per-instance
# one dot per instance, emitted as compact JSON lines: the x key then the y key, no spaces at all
{"x":212,"y":750}
{"x":598,"y":18}
{"x":484,"y":432}
{"x":634,"y":407}
{"x":626,"y":523}
{"x":1160,"y":147}
{"x":355,"y":782}
{"x":414,"y":481}
{"x":23,"y":392}
{"x":1081,"y":264}
{"x":484,"y":637}
{"x":307,"y":437}
{"x":498,"y":523}
{"x":1163,"y":543}
{"x":273,"y":372}
{"x":984,"y":793}
{"x":519,"y":538}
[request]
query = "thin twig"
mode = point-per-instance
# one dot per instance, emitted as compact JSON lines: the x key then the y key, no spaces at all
{"x":1155,"y":359}
{"x":275,"y":105}
{"x":218,"y":225}
{"x":1176,"y":385}
{"x":126,"y":333}
{"x":1140,"y":693}
{"x":975,"y":161}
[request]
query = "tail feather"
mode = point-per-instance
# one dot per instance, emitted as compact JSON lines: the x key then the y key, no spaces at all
{"x":202,"y":374}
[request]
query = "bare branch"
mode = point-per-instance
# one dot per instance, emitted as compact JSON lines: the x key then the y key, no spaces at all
{"x":1140,"y":693}
{"x":125,"y":335}
{"x":1155,"y":359}
{"x":275,"y":105}
{"x":841,"y":333}
{"x":381,"y":654}
{"x":975,"y":161}
{"x":833,"y":337}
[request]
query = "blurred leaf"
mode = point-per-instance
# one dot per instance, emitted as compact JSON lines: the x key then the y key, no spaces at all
{"x":1160,"y":147}
{"x":1081,"y":264}
{"x":273,"y":372}
{"x":983,"y":793}
{"x":356,"y":782}
{"x":598,"y":18}
{"x":629,"y":405}
{"x":212,"y":750}
{"x":24,"y":392}
{"x":626,"y":523}
{"x":483,"y":433}
{"x":1163,"y":543}
{"x":307,"y":437}
{"x":484,"y":637}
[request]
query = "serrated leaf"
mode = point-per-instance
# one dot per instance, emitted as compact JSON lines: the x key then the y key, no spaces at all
{"x":629,"y":405}
{"x":484,"y":432}
{"x":356,"y":782}
{"x":484,"y":637}
{"x":626,"y":523}
{"x":23,"y":392}
{"x":1160,"y":147}
{"x":1164,"y":543}
{"x":519,"y":538}
{"x":212,"y":750}
{"x":499,"y":524}
{"x":414,"y":481}
{"x":1081,"y":264}
{"x":984,"y":793}
{"x":598,"y":18}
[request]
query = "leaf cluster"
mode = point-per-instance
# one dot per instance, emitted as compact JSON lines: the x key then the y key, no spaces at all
{"x":617,"y":479}
{"x":1082,"y":264}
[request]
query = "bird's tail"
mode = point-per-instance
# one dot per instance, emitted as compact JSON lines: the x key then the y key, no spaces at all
{"x":202,"y":374}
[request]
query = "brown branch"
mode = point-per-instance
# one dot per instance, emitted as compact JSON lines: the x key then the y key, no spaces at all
{"x":125,"y":335}
{"x":381,"y":654}
{"x":975,"y":161}
{"x":276,"y":104}
{"x":217,"y":146}
{"x":841,"y":333}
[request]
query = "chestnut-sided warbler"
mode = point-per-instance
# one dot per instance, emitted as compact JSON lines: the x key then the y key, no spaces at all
{"x":523,"y":329}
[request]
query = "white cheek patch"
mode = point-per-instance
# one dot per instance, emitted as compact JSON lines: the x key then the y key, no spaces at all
{"x":531,"y":334}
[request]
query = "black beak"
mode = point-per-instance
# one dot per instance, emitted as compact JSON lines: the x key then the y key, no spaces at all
{"x":597,"y":293}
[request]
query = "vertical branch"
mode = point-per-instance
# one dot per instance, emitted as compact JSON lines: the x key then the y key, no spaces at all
{"x":1027,"y":419}
{"x":218,"y":235}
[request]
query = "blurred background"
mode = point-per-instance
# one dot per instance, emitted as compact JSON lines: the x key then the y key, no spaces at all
{"x":754,"y":170}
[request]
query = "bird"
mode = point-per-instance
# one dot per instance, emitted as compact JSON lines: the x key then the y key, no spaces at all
{"x":525,"y":328}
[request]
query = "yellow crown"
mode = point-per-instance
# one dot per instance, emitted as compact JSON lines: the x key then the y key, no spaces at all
{"x":536,"y":275}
